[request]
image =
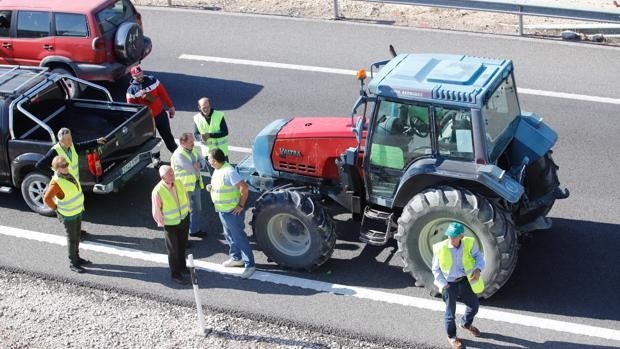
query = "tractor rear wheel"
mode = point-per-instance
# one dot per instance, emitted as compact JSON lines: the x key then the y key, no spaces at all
{"x":428,"y":214}
{"x":293,"y":230}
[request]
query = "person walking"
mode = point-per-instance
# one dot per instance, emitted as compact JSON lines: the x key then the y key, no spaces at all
{"x":148,"y":91}
{"x":210,"y":128}
{"x":457,"y":264}
{"x":64,"y":195}
{"x":170,"y":210}
{"x":186,"y":162}
{"x":229,"y":194}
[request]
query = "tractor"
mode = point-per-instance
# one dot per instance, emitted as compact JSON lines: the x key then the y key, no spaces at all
{"x":432,"y":139}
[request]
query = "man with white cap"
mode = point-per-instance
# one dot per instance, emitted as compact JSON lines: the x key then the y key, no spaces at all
{"x":148,"y":91}
{"x":457,"y":264}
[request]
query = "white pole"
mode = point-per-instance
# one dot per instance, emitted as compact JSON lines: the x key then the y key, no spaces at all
{"x":202,"y":331}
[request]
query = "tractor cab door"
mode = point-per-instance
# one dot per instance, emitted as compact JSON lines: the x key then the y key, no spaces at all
{"x":400,"y":134}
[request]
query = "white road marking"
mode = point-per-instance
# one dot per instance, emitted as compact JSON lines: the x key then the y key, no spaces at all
{"x":571,"y":96}
{"x":320,"y":286}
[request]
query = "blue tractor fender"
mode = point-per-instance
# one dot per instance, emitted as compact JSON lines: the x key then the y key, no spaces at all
{"x":430,"y":172}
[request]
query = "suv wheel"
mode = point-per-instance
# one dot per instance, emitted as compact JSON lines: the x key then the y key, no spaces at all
{"x":33,"y":187}
{"x":129,"y":43}
{"x":74,"y":88}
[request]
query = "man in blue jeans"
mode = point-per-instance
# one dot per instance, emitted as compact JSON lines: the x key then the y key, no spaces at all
{"x":229,"y":193}
{"x":457,"y":264}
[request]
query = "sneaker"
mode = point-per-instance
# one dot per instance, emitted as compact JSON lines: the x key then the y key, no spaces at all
{"x":231,"y":263}
{"x":76,"y":268}
{"x":200,"y":234}
{"x":472,"y":329}
{"x":84,"y":261}
{"x":248,"y":272}
{"x":455,"y":343}
{"x":181,"y":280}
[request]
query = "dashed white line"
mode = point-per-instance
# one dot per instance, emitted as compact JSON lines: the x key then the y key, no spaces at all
{"x":564,"y":95}
{"x":320,"y":286}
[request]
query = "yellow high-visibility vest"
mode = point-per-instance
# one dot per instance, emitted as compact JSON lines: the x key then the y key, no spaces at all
{"x":225,"y":197}
{"x":73,"y":202}
{"x":204,"y":127}
{"x":444,"y":256}
{"x":73,"y":161}
{"x":186,"y":177}
{"x":173,"y":213}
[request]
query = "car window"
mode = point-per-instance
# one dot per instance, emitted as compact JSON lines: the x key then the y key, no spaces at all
{"x":33,"y":24}
{"x":5,"y":23}
{"x":70,"y":24}
{"x":454,"y":132}
{"x":110,"y":17}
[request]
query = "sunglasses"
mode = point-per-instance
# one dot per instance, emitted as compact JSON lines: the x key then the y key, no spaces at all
{"x":65,"y":165}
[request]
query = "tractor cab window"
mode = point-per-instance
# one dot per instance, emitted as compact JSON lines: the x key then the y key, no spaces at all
{"x":499,"y":112}
{"x":454,"y":134}
{"x":401,"y":135}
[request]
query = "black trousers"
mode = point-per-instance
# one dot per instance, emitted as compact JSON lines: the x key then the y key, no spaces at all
{"x":162,"y":123}
{"x":73,"y":228}
{"x":176,"y":239}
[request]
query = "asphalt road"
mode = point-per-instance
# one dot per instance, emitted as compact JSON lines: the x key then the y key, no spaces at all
{"x":567,"y":274}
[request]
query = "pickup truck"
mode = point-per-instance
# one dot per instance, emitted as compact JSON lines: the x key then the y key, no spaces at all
{"x":35,"y":104}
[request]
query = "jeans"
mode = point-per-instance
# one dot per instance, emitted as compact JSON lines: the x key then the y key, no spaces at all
{"x":163,"y":127}
{"x":176,"y":239}
{"x":459,"y":291}
{"x":238,"y":243}
{"x":197,"y":216}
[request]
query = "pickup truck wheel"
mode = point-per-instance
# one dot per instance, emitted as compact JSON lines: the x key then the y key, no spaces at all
{"x":129,"y":43}
{"x":293,"y":230}
{"x":428,"y":214}
{"x":33,"y":187}
{"x":74,"y":88}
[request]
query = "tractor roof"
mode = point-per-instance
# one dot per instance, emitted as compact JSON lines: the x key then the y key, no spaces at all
{"x":451,"y":79}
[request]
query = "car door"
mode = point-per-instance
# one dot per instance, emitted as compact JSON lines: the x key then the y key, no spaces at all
{"x":6,"y":42}
{"x":32,"y":41}
{"x":72,"y":38}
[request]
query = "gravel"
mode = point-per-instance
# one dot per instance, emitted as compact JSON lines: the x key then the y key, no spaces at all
{"x":42,"y":313}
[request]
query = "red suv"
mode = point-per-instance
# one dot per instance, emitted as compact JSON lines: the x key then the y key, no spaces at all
{"x":92,"y":39}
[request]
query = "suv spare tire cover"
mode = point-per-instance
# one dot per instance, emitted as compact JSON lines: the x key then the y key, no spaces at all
{"x":129,"y":42}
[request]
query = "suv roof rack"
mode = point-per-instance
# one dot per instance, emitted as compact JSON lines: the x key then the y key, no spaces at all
{"x":15,"y":77}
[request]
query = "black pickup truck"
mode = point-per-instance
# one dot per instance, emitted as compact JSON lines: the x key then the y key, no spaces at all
{"x":35,"y":104}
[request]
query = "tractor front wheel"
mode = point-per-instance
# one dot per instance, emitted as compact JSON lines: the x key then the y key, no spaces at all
{"x":428,"y":214}
{"x":293,"y":230}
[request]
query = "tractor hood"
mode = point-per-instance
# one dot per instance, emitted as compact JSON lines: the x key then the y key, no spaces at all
{"x":317,"y":127}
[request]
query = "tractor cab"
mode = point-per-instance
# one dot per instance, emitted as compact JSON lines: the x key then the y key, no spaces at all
{"x":436,"y":114}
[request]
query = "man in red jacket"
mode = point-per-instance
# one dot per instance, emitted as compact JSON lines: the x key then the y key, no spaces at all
{"x":148,"y":91}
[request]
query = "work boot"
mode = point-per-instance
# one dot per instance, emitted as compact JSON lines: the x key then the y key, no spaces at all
{"x":472,"y":329}
{"x":455,"y":343}
{"x":76,"y":268}
{"x":248,"y":272}
{"x":83,"y":261}
{"x":231,"y":263}
{"x":181,"y":280}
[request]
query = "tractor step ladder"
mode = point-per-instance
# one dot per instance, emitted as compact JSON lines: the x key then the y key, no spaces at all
{"x":377,"y":227}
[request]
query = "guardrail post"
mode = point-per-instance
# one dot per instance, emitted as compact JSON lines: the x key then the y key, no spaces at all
{"x":336,"y":14}
{"x":520,"y":20}
{"x":170,"y":3}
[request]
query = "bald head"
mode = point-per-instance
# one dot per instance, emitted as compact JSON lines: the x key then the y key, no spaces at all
{"x":204,"y":105}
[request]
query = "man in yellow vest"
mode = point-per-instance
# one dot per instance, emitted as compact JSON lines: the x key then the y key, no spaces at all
{"x":68,"y":150}
{"x":229,"y":194}
{"x":186,"y":162}
{"x":210,"y":128}
{"x":64,"y":195}
{"x":457,"y":264}
{"x":170,"y":209}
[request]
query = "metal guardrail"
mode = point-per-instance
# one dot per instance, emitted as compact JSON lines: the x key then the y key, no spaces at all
{"x":517,"y":7}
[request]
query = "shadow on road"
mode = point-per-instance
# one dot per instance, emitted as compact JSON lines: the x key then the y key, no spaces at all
{"x":571,"y":269}
{"x":503,"y":341}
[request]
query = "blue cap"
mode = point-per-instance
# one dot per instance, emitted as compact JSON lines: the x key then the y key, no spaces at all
{"x":454,"y":229}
